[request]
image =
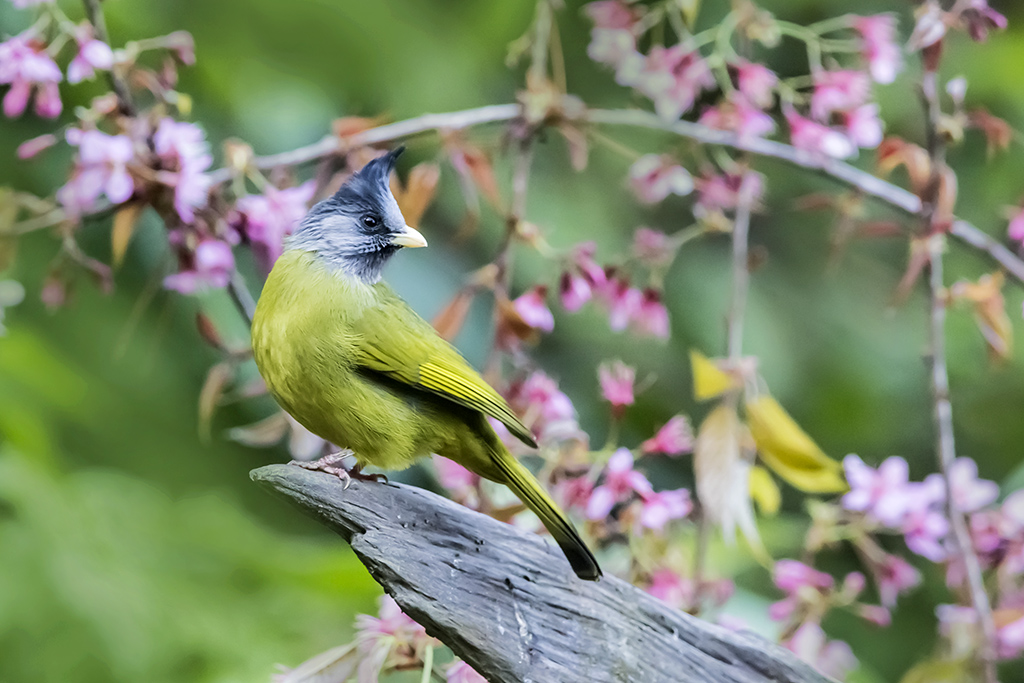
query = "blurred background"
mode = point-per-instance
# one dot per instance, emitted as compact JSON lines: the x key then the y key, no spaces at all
{"x":132,"y":549}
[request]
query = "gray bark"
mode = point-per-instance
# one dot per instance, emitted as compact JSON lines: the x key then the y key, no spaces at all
{"x":507,"y":602}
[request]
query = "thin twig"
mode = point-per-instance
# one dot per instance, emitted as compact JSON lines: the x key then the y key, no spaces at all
{"x":241,"y":296}
{"x":94,"y":13}
{"x":740,"y":271}
{"x":963,"y":547}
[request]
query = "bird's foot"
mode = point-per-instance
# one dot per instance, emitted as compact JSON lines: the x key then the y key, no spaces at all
{"x":332,"y":464}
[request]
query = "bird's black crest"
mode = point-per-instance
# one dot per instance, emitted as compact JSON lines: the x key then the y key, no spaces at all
{"x":368,"y":187}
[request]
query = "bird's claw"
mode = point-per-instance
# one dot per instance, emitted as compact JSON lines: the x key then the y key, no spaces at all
{"x":332,"y":464}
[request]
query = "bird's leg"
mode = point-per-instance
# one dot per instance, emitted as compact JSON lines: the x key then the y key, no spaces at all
{"x":332,"y":464}
{"x":357,"y":473}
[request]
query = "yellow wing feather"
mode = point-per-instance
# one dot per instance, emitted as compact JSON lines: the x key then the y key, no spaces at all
{"x":407,"y":349}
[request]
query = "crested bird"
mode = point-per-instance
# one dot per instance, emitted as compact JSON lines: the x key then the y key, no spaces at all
{"x":345,"y":356}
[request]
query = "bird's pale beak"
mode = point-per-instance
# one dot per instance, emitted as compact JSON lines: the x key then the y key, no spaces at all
{"x":410,"y":237}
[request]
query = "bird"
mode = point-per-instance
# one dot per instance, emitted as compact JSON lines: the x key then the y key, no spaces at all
{"x":353,"y":363}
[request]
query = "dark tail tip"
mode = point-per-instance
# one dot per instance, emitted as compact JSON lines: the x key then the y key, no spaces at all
{"x":581,"y":559}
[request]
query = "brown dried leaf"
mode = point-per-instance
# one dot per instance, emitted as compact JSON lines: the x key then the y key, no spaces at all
{"x":998,"y":133}
{"x":208,"y":331}
{"x":474,"y":164}
{"x":418,"y":192}
{"x":450,"y":320}
{"x":915,"y":266}
{"x":895,"y":152}
{"x":946,"y":202}
{"x":209,"y":396}
{"x":125,"y":220}
{"x":986,"y":296}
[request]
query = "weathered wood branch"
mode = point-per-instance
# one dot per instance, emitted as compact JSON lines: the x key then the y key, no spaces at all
{"x":507,"y":602}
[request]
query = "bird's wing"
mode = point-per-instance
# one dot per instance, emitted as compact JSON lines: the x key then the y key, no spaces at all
{"x":398,"y":343}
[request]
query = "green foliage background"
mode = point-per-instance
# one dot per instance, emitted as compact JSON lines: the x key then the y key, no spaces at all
{"x":131,"y":550}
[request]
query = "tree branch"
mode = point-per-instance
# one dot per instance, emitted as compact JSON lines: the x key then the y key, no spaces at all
{"x":842,"y":172}
{"x":508,"y":603}
{"x":963,"y":546}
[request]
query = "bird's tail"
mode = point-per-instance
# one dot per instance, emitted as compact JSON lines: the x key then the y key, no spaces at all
{"x":529,"y":490}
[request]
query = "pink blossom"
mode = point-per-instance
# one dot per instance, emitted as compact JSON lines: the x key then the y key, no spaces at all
{"x":791,"y":576}
{"x":658,"y":509}
{"x":613,"y":39}
{"x":212,"y":265}
{"x":620,"y":482}
{"x":863,"y":126}
{"x":853,"y":584}
{"x":895,"y":575}
{"x":801,"y":583}
{"x":674,"y":438}
{"x":819,"y":139}
{"x":574,"y":291}
{"x":460,"y":672}
{"x":654,"y":177}
{"x":670,"y":588}
{"x":611,"y":14}
{"x":547,"y":410}
{"x":623,"y":303}
{"x":1015,"y":231}
{"x":653,"y":247}
{"x":832,"y":658}
{"x":101,"y":168}
{"x":1011,"y":639}
{"x":454,"y":476}
{"x":924,"y":525}
{"x":967,"y":491}
{"x":377,"y":637}
{"x":25,"y":65}
{"x":575,"y":491}
{"x":34,"y":146}
{"x":736,"y":114}
{"x":756,"y":83}
{"x":186,"y":156}
{"x":986,"y":529}
{"x":651,"y":317}
{"x":266,"y":219}
{"x":673,"y":77}
{"x":183,"y":46}
{"x":533,"y":309}
{"x":980,"y":19}
{"x":875,"y":614}
{"x":881,"y":492}
{"x":584,"y":277}
{"x":21,"y":4}
{"x":92,"y":54}
{"x":721,"y":192}
{"x":617,"y":384}
{"x":391,"y":622}
{"x":880,"y":50}
{"x":838,"y":91}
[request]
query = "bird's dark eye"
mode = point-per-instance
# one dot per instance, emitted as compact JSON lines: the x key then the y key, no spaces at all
{"x":371,"y":221}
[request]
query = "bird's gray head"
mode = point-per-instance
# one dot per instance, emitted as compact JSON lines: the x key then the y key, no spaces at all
{"x":360,"y":227}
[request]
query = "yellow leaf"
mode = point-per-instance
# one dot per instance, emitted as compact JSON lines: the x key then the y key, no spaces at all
{"x":125,"y":220}
{"x":708,"y":380}
{"x":764,"y":491}
{"x":789,"y":451}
